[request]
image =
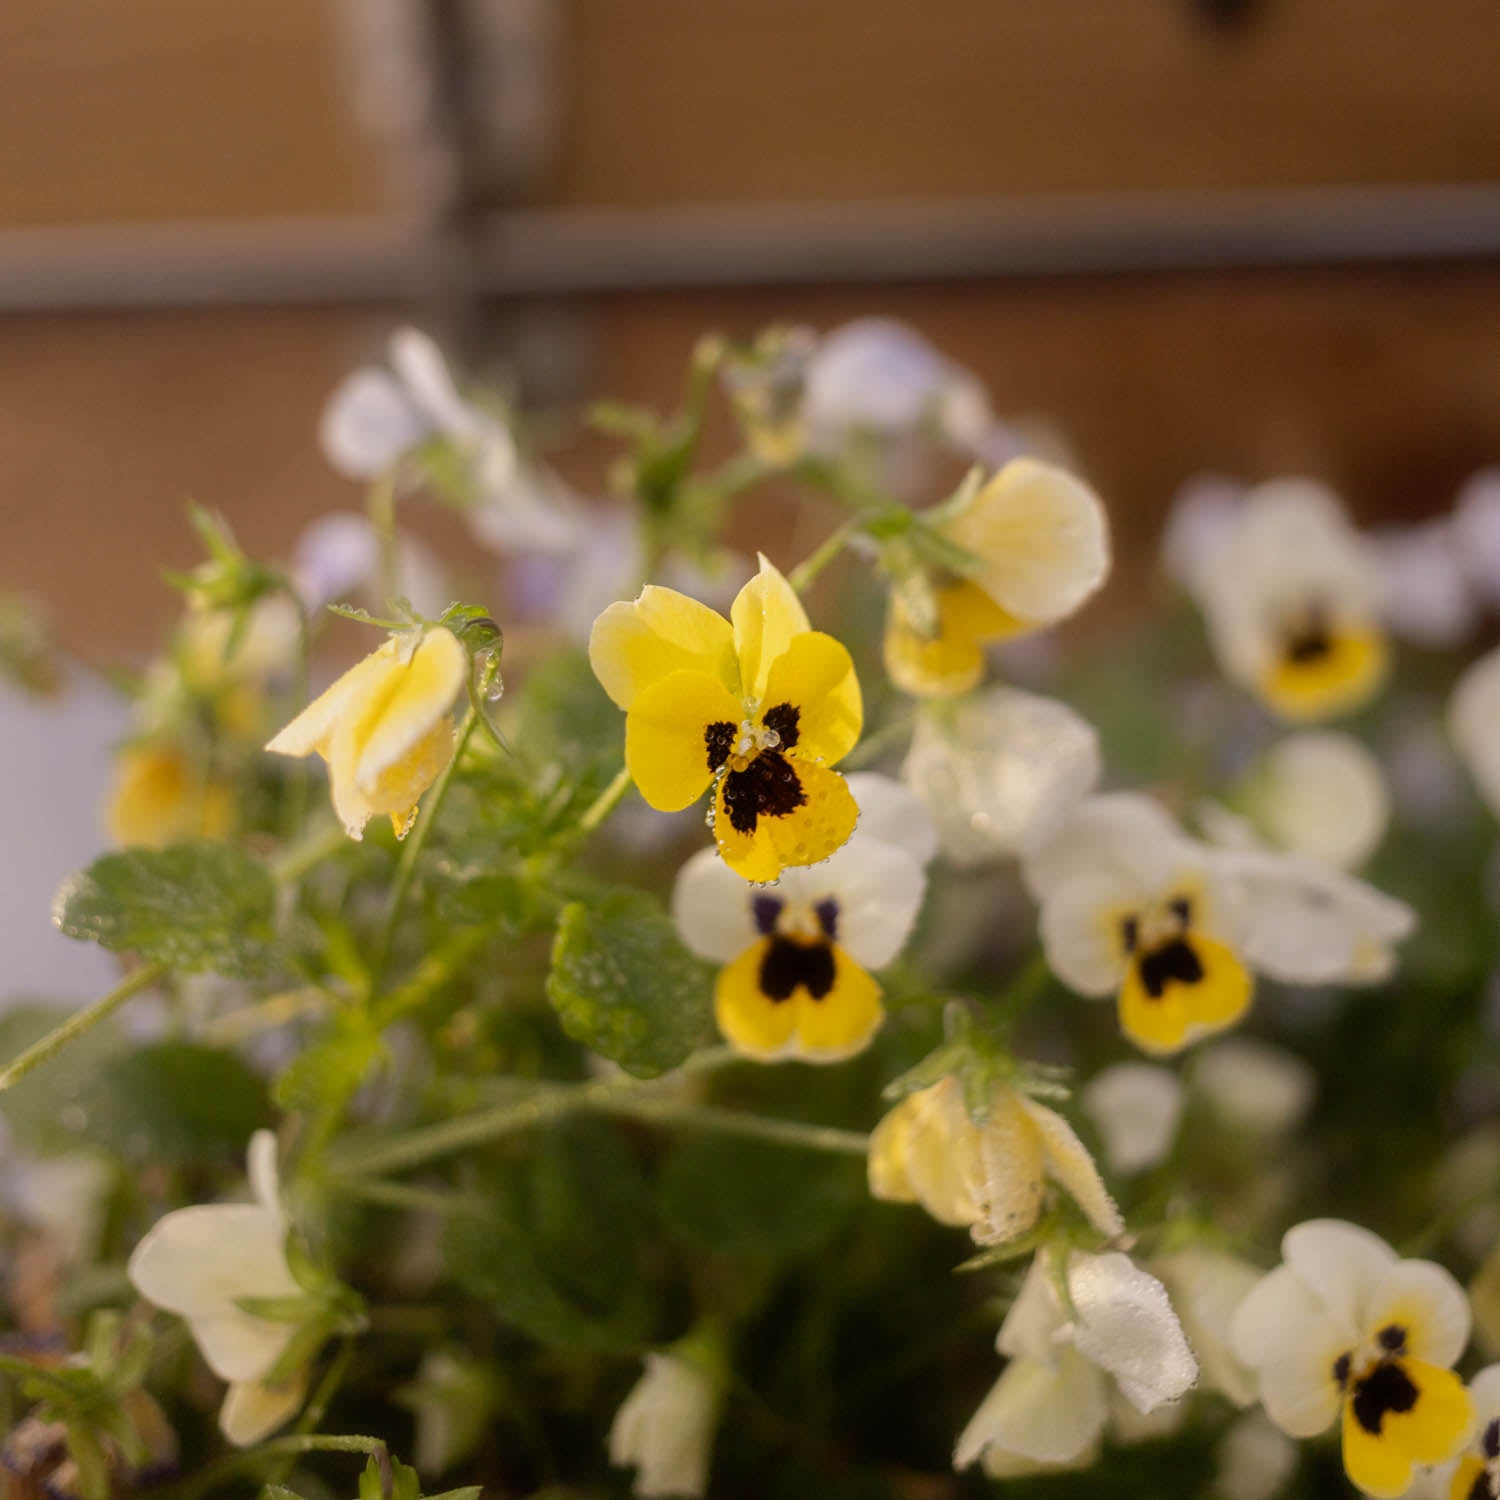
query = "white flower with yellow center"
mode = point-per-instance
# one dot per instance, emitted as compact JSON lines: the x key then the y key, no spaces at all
{"x":1131,"y":907}
{"x":1135,"y":1107}
{"x":1258,"y":1088}
{"x":202,"y":1263}
{"x":664,"y":1429}
{"x":1039,"y":538}
{"x":385,"y":728}
{"x":1049,"y":1408}
{"x":988,"y":1173}
{"x":1292,"y":597}
{"x":1474,"y":723}
{"x":797,"y":956}
{"x":998,"y":770}
{"x":1345,"y":1331}
{"x":1256,"y":1460}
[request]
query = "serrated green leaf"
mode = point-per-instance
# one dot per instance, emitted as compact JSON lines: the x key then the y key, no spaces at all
{"x":623,"y":984}
{"x":198,"y":907}
{"x":753,"y":1197}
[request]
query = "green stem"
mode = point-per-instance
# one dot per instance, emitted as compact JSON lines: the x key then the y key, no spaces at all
{"x":808,"y":569}
{"x":293,"y":863}
{"x":380,"y":506}
{"x":735,"y":1122}
{"x":293,"y":1445}
{"x":76,"y":1025}
{"x":605,"y":803}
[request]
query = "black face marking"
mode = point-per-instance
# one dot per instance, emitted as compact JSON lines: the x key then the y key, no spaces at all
{"x":1341,"y":1370}
{"x":1490,"y":1442}
{"x":827,"y":913}
{"x":718,"y":740}
{"x":1392,"y":1338}
{"x":1181,"y":908}
{"x":1311,"y":641}
{"x":1386,"y":1388}
{"x":1174,"y":962}
{"x":788,"y":965}
{"x":1481,"y":1489}
{"x":1130,"y":932}
{"x":784,"y":718}
{"x":767,"y":788}
{"x":766,"y":909}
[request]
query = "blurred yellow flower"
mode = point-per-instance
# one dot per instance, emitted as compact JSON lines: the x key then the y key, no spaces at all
{"x":158,"y":797}
{"x":761,"y":706}
{"x":384,"y":728}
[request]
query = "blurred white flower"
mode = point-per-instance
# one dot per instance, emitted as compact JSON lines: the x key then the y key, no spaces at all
{"x":202,"y":1263}
{"x":1474,"y":723}
{"x":998,"y":770}
{"x":1051,"y":1403}
{"x":990,"y":1174}
{"x":1292,"y":599}
{"x":533,"y":511}
{"x":664,"y":1429}
{"x":1476,"y":531}
{"x":1135,"y":1107}
{"x":1345,"y":1331}
{"x":1321,"y":793}
{"x":63,"y":1197}
{"x":337,"y":560}
{"x":1260,"y":1089}
{"x":1256,"y":1460}
{"x":1199,"y":524}
{"x":1207,"y":1287}
{"x":1425,"y":591}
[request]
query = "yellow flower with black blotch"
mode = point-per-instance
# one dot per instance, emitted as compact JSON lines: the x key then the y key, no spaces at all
{"x":385,"y":728}
{"x":759,"y":706}
{"x":796,"y":979}
{"x":157,"y":796}
{"x":1344,"y":1331}
{"x":1040,"y":543}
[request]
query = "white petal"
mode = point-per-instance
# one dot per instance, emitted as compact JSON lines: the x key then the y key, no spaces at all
{"x":999,"y":771}
{"x":1485,"y":1389}
{"x":1072,"y":1168}
{"x":1342,"y":1263}
{"x":368,"y":424}
{"x":1256,"y":1461}
{"x":424,"y":373}
{"x":1257,"y":1087}
{"x":1135,"y":1107}
{"x":1132,"y":837}
{"x":534,"y":511}
{"x":1271,"y":1315}
{"x":1012,"y":1175}
{"x":665,"y":1428}
{"x":1035,"y":1327}
{"x":878,"y":888}
{"x":252,"y":1411}
{"x":1427,"y":598}
{"x":1080,"y":929}
{"x":260,"y":1166}
{"x":335,"y":558}
{"x":1042,"y":1412}
{"x":1474,"y":723}
{"x":1127,"y":1425}
{"x":1207,"y":1288}
{"x":1476,"y":529}
{"x":873,"y":375}
{"x":1323,"y":794}
{"x":714,"y":908}
{"x":1297,"y":1385}
{"x":894,"y":814}
{"x":1199,"y":524}
{"x":1428,"y":1303}
{"x":1125,"y":1325}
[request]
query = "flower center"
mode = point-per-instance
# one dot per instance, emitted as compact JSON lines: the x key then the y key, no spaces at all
{"x":1158,"y":943}
{"x":800,"y":954}
{"x":759,"y":780}
{"x":1376,"y":1380}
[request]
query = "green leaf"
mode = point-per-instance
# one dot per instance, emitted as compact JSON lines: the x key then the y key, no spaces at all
{"x":754,"y":1197}
{"x":175,"y":1103}
{"x":624,"y":985}
{"x":559,"y":1252}
{"x":196,"y":907}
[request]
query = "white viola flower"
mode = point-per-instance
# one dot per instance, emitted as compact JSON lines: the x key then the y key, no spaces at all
{"x":534,"y":510}
{"x":1051,"y":1403}
{"x":1476,"y":531}
{"x":1207,"y":1287}
{"x":1258,"y":1088}
{"x":1345,"y":1331}
{"x":1474,"y":723}
{"x":1129,"y":906}
{"x":990,"y":1173}
{"x":378,"y":417}
{"x":797,"y":956}
{"x":1256,"y":1460}
{"x":1135,"y":1108}
{"x":1321,"y":793}
{"x":1426,"y":592}
{"x":1475,"y":1473}
{"x":337,"y":559}
{"x":999,"y":770}
{"x":202,"y":1263}
{"x":1199,"y":524}
{"x":664,"y":1429}
{"x":1292,"y":599}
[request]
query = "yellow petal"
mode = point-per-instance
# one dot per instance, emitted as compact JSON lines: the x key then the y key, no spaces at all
{"x":156,"y":797}
{"x":815,"y":676}
{"x":808,"y":834}
{"x":253,"y":1410}
{"x":413,"y":702}
{"x":633,"y":646}
{"x":1339,"y":681}
{"x":952,"y":660}
{"x":1435,"y":1426}
{"x":767,"y":615}
{"x":313,"y":728}
{"x":1072,"y":1168}
{"x":844,"y":1020}
{"x":751,"y":1021}
{"x":1464,"y":1484}
{"x":666,"y":751}
{"x":1184,"y":1011}
{"x":889,"y":1163}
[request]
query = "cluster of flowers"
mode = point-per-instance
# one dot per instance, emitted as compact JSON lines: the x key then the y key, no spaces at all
{"x":813,"y":883}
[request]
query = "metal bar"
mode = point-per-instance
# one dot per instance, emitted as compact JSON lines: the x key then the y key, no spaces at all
{"x":563,"y":252}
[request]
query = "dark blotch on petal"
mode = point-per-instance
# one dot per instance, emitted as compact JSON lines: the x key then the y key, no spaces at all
{"x":1481,"y":1489}
{"x":790,"y":964}
{"x":827,"y":912}
{"x":1491,"y":1440}
{"x":1341,"y":1370}
{"x":718,"y":740}
{"x":1172,"y":963}
{"x":767,"y":788}
{"x":1392,"y":1338}
{"x":766,"y":909}
{"x":1387,"y":1388}
{"x":784,"y":718}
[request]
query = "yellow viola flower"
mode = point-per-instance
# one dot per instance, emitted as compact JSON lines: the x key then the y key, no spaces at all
{"x":796,"y":978}
{"x":1041,"y":541}
{"x":158,"y":797}
{"x":384,"y":728}
{"x":1475,"y":1473}
{"x":760,"y":706}
{"x":989,"y":1174}
{"x":1345,"y":1332}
